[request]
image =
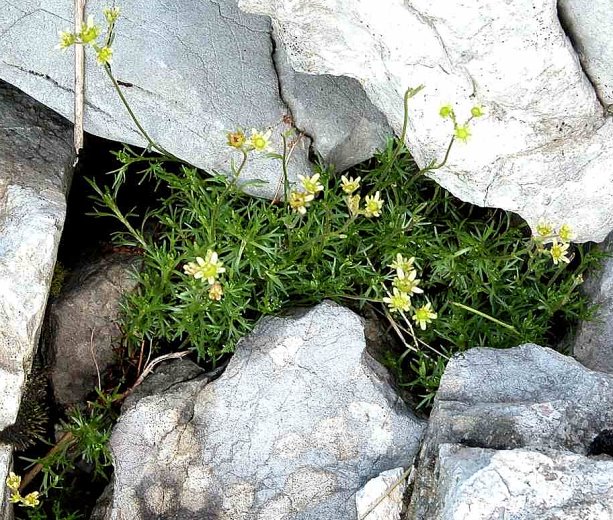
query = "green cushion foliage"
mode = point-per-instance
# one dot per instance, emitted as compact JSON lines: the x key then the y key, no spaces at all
{"x":489,"y":282}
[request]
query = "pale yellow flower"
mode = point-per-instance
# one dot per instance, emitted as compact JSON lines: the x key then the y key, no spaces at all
{"x":299,"y":201}
{"x":373,"y":205}
{"x":67,"y":39}
{"x":424,"y":315}
{"x":353,"y":204}
{"x":31,"y":499}
{"x":349,"y":184}
{"x":236,"y":139}
{"x":566,"y":233}
{"x":402,"y":264}
{"x":104,"y":56}
{"x":207,"y":268}
{"x":15,"y":498}
{"x":544,"y":229}
{"x":398,"y":301}
{"x":13,"y":481}
{"x":311,"y":184}
{"x":559,"y":252}
{"x":462,"y":132}
{"x":216,"y":291}
{"x":407,"y":282}
{"x":260,"y":141}
{"x":476,"y":111}
{"x":111,"y":14}
{"x":89,"y":32}
{"x":446,"y":111}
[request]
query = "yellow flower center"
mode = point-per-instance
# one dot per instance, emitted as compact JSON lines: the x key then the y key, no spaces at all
{"x":259,"y":143}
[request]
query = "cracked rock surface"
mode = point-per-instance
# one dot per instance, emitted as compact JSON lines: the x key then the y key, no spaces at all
{"x":192,"y":71}
{"x":529,"y":400}
{"x":300,"y":420}
{"x":543,"y":148}
{"x":35,"y":170}
{"x":593,"y":343}
{"x":589,"y":24}
{"x":521,"y":484}
{"x":82,"y":325}
{"x":382,"y":497}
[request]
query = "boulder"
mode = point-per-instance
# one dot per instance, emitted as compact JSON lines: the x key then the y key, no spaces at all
{"x":35,"y":171}
{"x":526,"y":397}
{"x":543,"y":148}
{"x":82,"y":325}
{"x":593,"y":343}
{"x":382,"y":497}
{"x":521,"y":484}
{"x":345,"y":126}
{"x":6,"y":513}
{"x":300,"y":420}
{"x":192,"y":71}
{"x":589,"y":25}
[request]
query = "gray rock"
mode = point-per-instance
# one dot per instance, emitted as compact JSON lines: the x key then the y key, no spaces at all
{"x":192,"y":70}
{"x":82,"y":325}
{"x":520,"y":484}
{"x":300,"y":420}
{"x":543,"y":148}
{"x":382,"y":497}
{"x":165,"y":376}
{"x":589,"y":25}
{"x":6,"y":511}
{"x":345,"y":126}
{"x":104,"y":505}
{"x":525,"y":397}
{"x":593,"y":343}
{"x":35,"y":170}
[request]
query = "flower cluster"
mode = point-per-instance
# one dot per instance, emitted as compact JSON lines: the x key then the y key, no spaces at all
{"x":258,"y":141}
{"x":405,"y":286}
{"x":300,"y":200}
{"x":208,"y":268}
{"x":89,"y":33}
{"x":460,"y":131}
{"x":559,"y":241}
{"x":30,"y":500}
{"x":373,"y":204}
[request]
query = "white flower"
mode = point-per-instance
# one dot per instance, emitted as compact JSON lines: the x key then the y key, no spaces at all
{"x":207,"y":268}
{"x":373,"y":205}
{"x":398,"y":301}
{"x":260,"y":141}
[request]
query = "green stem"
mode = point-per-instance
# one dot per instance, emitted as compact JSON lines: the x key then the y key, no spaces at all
{"x":284,"y":163}
{"x":486,"y":316}
{"x":151,"y":143}
{"x":222,"y":198}
{"x":410,"y":92}
{"x":325,"y":236}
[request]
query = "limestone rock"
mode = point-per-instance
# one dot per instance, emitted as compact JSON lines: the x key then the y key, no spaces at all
{"x":543,"y":148}
{"x":6,"y":512}
{"x":35,"y":170}
{"x":345,"y":126}
{"x":83,"y":325}
{"x":191,"y":70}
{"x":593,"y":344}
{"x":520,"y":484}
{"x":589,"y":24}
{"x":525,"y":397}
{"x":381,"y":498}
{"x":300,"y":420}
